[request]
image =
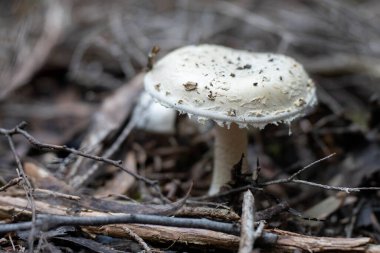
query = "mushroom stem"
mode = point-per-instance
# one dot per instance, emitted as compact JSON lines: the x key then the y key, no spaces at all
{"x":230,"y":144}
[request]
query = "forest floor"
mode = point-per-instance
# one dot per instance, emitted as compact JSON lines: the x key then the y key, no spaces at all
{"x":79,"y":173}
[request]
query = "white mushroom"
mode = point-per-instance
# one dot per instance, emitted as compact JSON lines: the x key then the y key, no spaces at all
{"x":234,"y":88}
{"x":153,"y":117}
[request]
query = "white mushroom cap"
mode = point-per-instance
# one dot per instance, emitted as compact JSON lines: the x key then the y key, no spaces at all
{"x":229,"y":85}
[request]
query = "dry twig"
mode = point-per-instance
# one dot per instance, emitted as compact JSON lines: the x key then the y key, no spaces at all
{"x":273,"y":239}
{"x":48,"y":221}
{"x":247,"y":236}
{"x":39,"y":145}
{"x":28,"y":188}
{"x":207,"y":212}
{"x":137,"y":238}
{"x":12,"y":182}
{"x":291,"y":179}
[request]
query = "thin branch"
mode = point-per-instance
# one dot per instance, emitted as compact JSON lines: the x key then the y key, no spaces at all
{"x":11,"y":241}
{"x":55,"y":194}
{"x":48,"y":221}
{"x":39,"y":145}
{"x":292,"y":179}
{"x":335,"y":188}
{"x":11,"y":183}
{"x":310,"y":165}
{"x":28,"y":188}
{"x":138,"y":239}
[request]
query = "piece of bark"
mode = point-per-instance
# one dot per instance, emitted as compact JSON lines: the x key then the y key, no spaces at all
{"x":291,"y":240}
{"x":164,"y":234}
{"x":286,"y":242}
{"x":207,"y":212}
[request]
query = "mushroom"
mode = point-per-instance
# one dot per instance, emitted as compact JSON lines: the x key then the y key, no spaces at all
{"x":234,"y":88}
{"x":153,"y":117}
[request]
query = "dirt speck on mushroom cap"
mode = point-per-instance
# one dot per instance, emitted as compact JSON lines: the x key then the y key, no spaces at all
{"x":264,"y":88}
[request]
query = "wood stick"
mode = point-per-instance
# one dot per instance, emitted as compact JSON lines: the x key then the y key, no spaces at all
{"x":291,"y":240}
{"x":208,"y":212}
{"x":247,"y":236}
{"x":170,"y":235}
{"x":287,"y":241}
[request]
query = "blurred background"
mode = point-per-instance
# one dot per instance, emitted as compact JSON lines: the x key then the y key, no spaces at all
{"x":96,"y":46}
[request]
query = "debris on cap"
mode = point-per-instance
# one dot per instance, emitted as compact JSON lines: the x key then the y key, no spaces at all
{"x":228,"y":85}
